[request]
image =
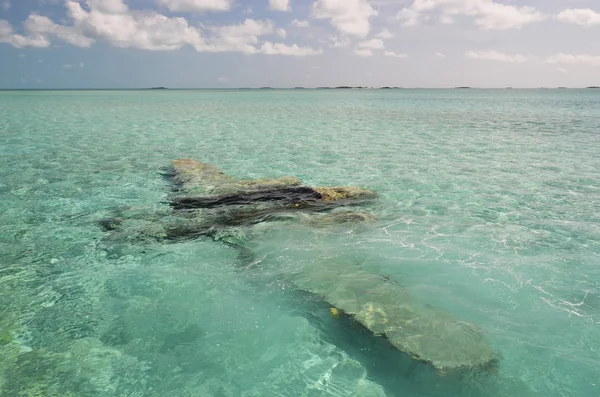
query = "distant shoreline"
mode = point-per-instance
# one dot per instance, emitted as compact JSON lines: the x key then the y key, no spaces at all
{"x":299,"y":88}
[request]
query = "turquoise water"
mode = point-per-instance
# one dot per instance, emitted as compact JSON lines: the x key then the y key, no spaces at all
{"x":489,"y":209}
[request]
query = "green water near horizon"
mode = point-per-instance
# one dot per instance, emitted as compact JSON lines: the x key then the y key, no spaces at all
{"x":488,"y":209}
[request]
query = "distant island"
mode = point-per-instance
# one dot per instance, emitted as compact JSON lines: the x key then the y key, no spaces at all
{"x":349,"y":87}
{"x":342,"y":87}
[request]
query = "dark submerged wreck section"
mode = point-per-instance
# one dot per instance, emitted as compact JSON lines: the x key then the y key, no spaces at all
{"x":209,"y":203}
{"x":289,"y":196}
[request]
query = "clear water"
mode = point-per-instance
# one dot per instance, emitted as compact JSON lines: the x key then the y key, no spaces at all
{"x":489,"y":209}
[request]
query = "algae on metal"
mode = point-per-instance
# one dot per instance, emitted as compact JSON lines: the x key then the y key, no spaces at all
{"x":385,"y":308}
{"x":340,"y":218}
{"x":336,"y":193}
{"x":201,"y":178}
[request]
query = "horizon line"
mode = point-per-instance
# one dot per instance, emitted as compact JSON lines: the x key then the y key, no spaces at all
{"x":292,"y":88}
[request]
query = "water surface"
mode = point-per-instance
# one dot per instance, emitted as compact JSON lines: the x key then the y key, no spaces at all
{"x":489,"y":209}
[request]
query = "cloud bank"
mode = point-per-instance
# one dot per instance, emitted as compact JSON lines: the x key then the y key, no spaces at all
{"x":113,"y":22}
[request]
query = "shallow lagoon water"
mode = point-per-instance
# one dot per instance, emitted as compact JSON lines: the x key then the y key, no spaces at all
{"x":488,"y":209}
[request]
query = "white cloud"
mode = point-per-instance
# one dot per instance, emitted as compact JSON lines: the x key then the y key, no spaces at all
{"x":395,"y":54}
{"x":143,"y":30}
{"x":280,"y":5}
{"x":409,"y":16}
{"x":488,"y":14}
{"x":71,"y":66}
{"x":241,"y":37}
{"x":108,"y":6}
{"x":491,"y":55}
{"x":384,"y":34}
{"x":446,"y":20}
{"x":195,"y":5}
{"x":113,"y":22}
{"x":580,"y":16}
{"x":441,"y":55}
{"x":284,"y":49}
{"x":5,"y":5}
{"x":562,"y":70}
{"x":339,"y":42}
{"x":593,"y":60}
{"x":8,"y":36}
{"x":223,"y":79}
{"x":373,"y":44}
{"x":300,"y":24}
{"x":349,"y":17}
{"x":39,"y":26}
{"x":363,"y":53}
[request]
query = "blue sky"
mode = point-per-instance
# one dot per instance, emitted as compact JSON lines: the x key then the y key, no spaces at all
{"x":285,"y":43}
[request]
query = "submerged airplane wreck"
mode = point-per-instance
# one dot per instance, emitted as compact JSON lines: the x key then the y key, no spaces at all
{"x":212,"y":204}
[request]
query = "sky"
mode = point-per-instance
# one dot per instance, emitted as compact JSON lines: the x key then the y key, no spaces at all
{"x":310,"y":43}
